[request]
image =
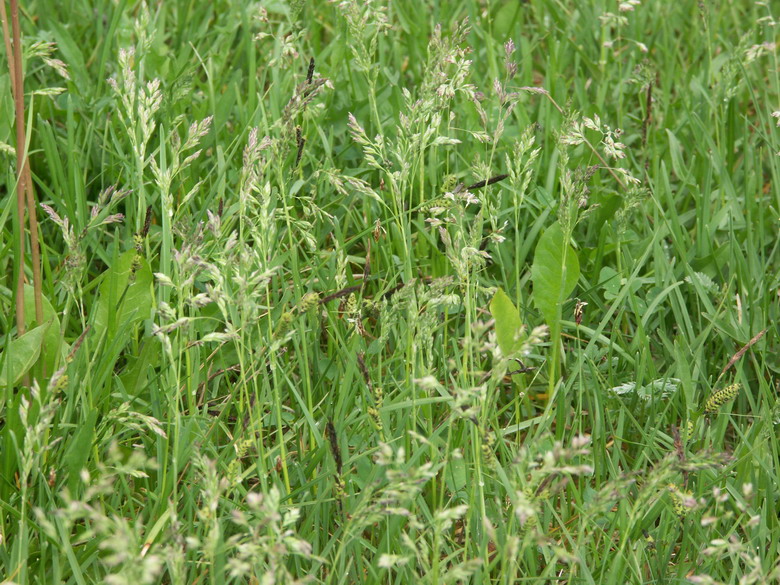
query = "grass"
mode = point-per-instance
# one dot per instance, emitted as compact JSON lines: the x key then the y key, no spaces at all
{"x":297,"y":324}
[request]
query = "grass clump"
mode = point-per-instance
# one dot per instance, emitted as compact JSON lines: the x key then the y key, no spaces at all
{"x":364,"y":292}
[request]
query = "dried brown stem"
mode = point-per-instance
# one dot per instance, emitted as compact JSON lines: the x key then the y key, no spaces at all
{"x":7,"y":38}
{"x":25,"y":195}
{"x":20,"y":140}
{"x":742,"y":351}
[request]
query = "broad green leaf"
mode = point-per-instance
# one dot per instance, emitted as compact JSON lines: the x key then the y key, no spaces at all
{"x":554,"y":273}
{"x":130,"y":300}
{"x":508,"y":324}
{"x":50,"y":351}
{"x":610,"y":282}
{"x":20,"y":355}
{"x":505,"y":19}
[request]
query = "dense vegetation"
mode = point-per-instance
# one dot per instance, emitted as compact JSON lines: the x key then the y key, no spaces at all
{"x":365,"y":292}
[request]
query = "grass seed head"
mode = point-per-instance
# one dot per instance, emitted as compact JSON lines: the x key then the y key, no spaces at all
{"x":721,"y":397}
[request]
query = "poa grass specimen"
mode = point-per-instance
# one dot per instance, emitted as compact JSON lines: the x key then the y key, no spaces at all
{"x":368,"y":292}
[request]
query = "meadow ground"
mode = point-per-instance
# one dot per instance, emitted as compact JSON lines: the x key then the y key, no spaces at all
{"x":391,"y":292}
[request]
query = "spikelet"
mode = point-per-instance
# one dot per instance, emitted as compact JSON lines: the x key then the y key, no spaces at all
{"x":138,"y":244}
{"x":340,"y":488}
{"x":351,"y":305}
{"x":373,"y":411}
{"x":235,"y":467}
{"x":283,"y":325}
{"x":488,"y":444}
{"x":679,"y":500}
{"x":135,"y":266}
{"x":690,"y":429}
{"x":527,"y":511}
{"x":721,"y":397}
{"x":308,"y":301}
{"x":60,"y":382}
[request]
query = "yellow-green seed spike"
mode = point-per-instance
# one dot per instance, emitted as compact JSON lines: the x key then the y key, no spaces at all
{"x":308,"y":301}
{"x":678,"y":500}
{"x":60,"y":383}
{"x":283,"y":324}
{"x":690,"y":429}
{"x":721,"y":397}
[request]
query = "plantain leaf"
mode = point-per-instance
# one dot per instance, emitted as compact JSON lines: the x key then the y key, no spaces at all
{"x":508,"y":324}
{"x":20,"y":355}
{"x":50,"y":350}
{"x":131,"y":298}
{"x":554,"y":273}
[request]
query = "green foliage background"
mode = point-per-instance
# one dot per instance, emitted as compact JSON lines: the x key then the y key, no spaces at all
{"x":316,"y":261}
